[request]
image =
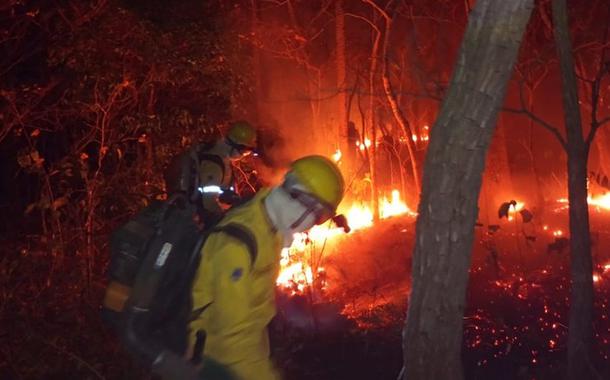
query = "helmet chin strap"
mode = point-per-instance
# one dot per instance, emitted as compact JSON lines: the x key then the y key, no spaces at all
{"x":301,"y":219}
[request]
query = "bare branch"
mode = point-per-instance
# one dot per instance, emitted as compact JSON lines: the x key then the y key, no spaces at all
{"x":524,"y":111}
{"x":596,"y":85}
{"x":363,"y":19}
{"x":540,"y":121}
{"x":603,"y":121}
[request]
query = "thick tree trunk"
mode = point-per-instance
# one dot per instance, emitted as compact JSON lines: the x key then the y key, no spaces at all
{"x":580,"y":333}
{"x":450,"y":188}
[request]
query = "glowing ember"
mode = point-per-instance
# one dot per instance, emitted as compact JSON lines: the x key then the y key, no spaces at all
{"x":596,"y":278}
{"x":363,"y":145}
{"x":557,"y":233}
{"x":337,"y":155}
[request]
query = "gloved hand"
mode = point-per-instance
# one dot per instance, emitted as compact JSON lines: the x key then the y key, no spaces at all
{"x":173,"y":367}
{"x":341,"y":222}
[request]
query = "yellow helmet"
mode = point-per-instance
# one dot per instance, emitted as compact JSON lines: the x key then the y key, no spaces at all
{"x":241,"y":133}
{"x":321,"y":179}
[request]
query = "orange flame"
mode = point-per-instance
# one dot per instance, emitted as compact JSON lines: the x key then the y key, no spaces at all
{"x":515,"y":209}
{"x":296,"y":273}
{"x":600,"y":202}
{"x":596,"y":278}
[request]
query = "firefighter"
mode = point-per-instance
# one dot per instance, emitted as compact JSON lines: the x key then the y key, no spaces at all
{"x":204,"y":172}
{"x":233,"y":290}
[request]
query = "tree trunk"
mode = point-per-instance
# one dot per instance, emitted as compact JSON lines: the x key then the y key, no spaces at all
{"x":580,"y":333}
{"x":450,"y":188}
{"x":497,"y":184}
{"x":342,"y":115}
{"x":602,"y":143}
{"x":312,"y":76}
{"x":371,"y":125}
{"x":257,"y":64}
{"x":402,"y":121}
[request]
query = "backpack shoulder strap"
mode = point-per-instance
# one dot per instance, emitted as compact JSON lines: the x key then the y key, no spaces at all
{"x":243,"y":234}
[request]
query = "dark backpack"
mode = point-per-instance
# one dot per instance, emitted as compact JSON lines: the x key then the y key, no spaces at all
{"x":154,"y":258}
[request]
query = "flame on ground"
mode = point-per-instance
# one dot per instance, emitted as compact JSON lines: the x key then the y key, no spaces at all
{"x":296,"y":264}
{"x":600,"y":202}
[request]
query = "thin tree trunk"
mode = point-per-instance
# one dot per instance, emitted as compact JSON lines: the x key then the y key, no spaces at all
{"x":313,"y":85}
{"x":256,"y":63}
{"x":531,"y":80}
{"x":402,"y":121}
{"x":342,"y":117}
{"x":497,"y":182}
{"x":602,"y":143}
{"x":540,"y":199}
{"x":371,"y":124}
{"x":580,"y":333}
{"x":450,"y":188}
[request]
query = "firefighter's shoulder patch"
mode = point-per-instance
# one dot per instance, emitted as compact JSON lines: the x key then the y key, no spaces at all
{"x":237,"y":274}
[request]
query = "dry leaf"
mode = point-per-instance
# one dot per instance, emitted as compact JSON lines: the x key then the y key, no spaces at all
{"x":59,"y":202}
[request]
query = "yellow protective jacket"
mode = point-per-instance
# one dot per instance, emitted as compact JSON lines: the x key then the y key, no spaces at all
{"x":237,"y":296}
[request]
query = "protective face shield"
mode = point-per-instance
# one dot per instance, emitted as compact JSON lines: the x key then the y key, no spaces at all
{"x":313,"y":205}
{"x":292,"y":210}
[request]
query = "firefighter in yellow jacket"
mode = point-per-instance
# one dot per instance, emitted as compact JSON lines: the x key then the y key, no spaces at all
{"x":233,"y":290}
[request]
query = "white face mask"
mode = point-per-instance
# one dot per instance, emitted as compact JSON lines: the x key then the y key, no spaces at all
{"x":288,"y":215}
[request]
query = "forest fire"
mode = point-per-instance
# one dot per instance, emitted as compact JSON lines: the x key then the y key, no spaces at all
{"x":599,"y":202}
{"x":301,"y":263}
{"x":117,"y":118}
